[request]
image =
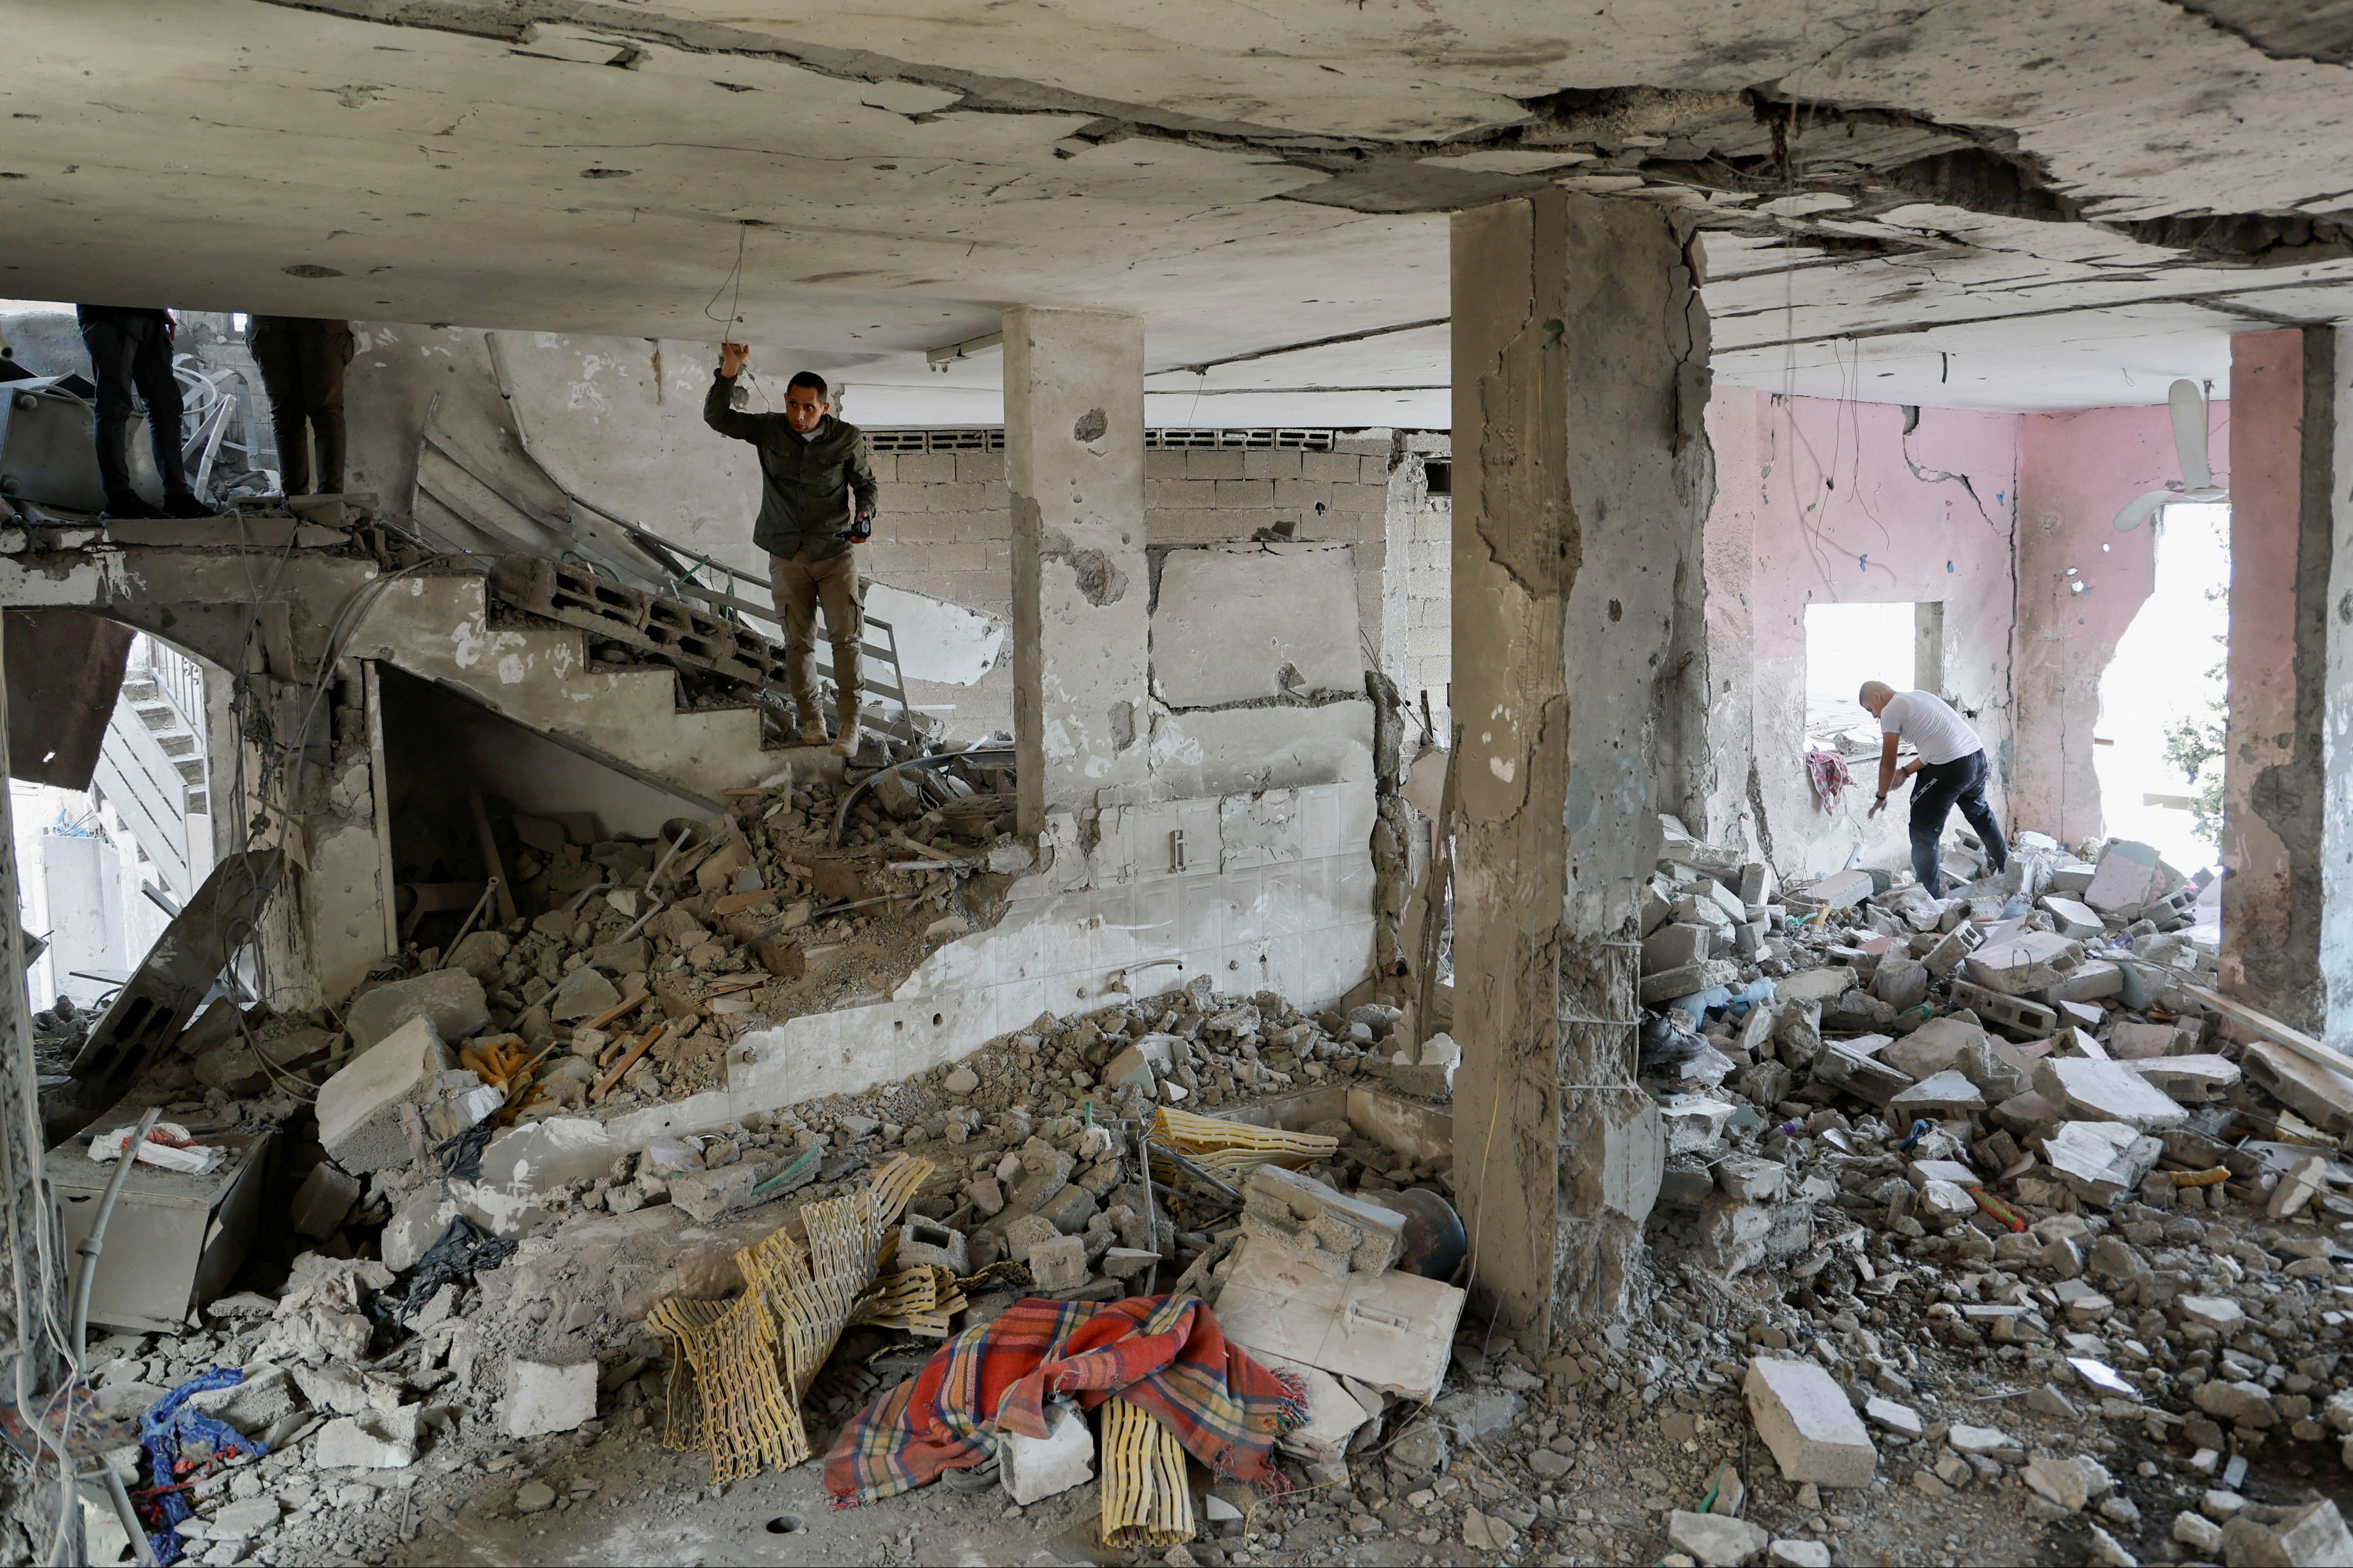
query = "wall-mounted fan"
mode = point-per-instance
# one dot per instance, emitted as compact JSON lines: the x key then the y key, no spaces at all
{"x":2197,"y":481}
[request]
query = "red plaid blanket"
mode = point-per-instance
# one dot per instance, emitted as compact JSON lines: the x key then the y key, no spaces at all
{"x":1165,"y":1353}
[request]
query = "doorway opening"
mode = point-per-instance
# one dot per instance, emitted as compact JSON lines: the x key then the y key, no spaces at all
{"x":2158,"y":746}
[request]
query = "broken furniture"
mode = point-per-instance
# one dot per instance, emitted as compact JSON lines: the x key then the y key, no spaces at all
{"x":175,"y":1240}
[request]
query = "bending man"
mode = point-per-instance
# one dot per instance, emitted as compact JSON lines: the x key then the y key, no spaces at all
{"x":816,"y":504}
{"x":1951,"y":762}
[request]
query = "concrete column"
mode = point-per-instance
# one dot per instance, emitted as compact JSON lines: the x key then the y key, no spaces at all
{"x":1581,"y":477}
{"x":1736,"y":808}
{"x":2287,"y":823}
{"x":1074,"y":462}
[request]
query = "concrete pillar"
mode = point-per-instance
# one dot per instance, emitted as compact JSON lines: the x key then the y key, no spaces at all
{"x":1074,"y":462}
{"x":1581,"y":477}
{"x":2287,"y":820}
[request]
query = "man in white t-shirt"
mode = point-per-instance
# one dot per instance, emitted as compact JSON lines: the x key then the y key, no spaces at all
{"x":1951,"y":764}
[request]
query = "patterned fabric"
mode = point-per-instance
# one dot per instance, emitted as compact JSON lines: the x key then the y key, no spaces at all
{"x":1830,"y":776}
{"x":1164,"y":1353}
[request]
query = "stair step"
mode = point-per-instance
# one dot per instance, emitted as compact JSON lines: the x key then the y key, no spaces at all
{"x":142,"y":690}
{"x":158,"y":715}
{"x":197,"y":806}
{"x":191,"y":772}
{"x":182,"y":744}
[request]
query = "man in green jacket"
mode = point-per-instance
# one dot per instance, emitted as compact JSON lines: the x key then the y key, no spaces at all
{"x":817,"y":504}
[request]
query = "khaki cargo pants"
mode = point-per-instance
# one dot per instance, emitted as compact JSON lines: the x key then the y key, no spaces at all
{"x":803,"y":587}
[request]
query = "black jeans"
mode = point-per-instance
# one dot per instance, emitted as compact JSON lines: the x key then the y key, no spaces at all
{"x":303,"y":364}
{"x":132,"y":353}
{"x":1935,"y":790}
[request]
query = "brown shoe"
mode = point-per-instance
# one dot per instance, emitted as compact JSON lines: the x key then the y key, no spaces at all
{"x":813,"y":733}
{"x":846,"y":745}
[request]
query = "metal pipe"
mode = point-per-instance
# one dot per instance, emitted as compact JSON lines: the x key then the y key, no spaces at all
{"x":479,"y":905}
{"x":141,"y":1549}
{"x":95,"y":1243}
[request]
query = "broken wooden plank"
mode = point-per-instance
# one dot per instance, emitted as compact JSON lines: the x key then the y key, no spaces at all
{"x":2272,"y":1030}
{"x":629,"y":1058}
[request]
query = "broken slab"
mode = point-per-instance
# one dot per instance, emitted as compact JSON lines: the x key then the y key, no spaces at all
{"x":2125,"y":879}
{"x":372,"y":1440}
{"x":451,"y":998}
{"x":1945,"y":1094}
{"x":322,"y":1200}
{"x":1839,"y":890}
{"x":2100,"y":1161}
{"x":1804,"y":1418}
{"x":1669,"y":984}
{"x":1393,"y":1332}
{"x":2107,"y":1091}
{"x":2321,"y":1097}
{"x":2192,"y":1079}
{"x":1304,"y":1213}
{"x":1934,"y":1047}
{"x":2076,"y":920}
{"x":360,"y":1125}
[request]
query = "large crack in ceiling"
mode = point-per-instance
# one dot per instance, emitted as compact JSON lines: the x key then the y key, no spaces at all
{"x":1864,"y":177}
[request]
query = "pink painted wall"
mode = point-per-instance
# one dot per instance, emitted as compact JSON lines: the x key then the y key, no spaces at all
{"x":2076,"y":471}
{"x":1839,"y":503}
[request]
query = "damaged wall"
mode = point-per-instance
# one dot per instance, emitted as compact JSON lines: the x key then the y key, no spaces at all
{"x":1847,"y":502}
{"x":618,"y":422}
{"x":2075,"y":472}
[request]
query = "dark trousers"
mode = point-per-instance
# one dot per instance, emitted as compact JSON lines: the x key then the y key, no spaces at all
{"x":133,"y":353}
{"x":1935,"y":790}
{"x":303,"y":364}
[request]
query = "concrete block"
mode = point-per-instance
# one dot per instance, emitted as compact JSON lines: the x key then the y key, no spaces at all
{"x":2078,"y":921}
{"x":1946,"y":954}
{"x":422,"y":1219}
{"x":2132,"y":1040}
{"x":360,"y":1122}
{"x":1752,"y":1180}
{"x":1934,"y":1047}
{"x":2087,"y":982}
{"x":2024,"y":963}
{"x":451,"y":998}
{"x":2027,"y":1020}
{"x":2192,"y":1080}
{"x":584,"y":994}
{"x":1945,"y":1094}
{"x":921,"y":1243}
{"x":1716,"y":1540}
{"x":2100,"y":1161}
{"x":1736,"y":1236}
{"x":1841,"y":1065}
{"x":1838,"y":890}
{"x":1060,"y":1264}
{"x":1824,"y":985}
{"x":1669,"y":984}
{"x":1675,"y":945}
{"x":322,"y":1200}
{"x":2305,"y":1537}
{"x":2124,"y":879}
{"x":2321,"y":1097}
{"x":1900,"y":982}
{"x":372,"y":1440}
{"x":1310,"y":1215}
{"x":1035,"y":1469}
{"x":1804,"y":1418}
{"x":2105,"y":1091}
{"x":544,"y":1398}
{"x":1657,"y":907}
{"x":265,"y":1398}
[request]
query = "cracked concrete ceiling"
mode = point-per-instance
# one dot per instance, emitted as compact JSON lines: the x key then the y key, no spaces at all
{"x":1977,"y":203}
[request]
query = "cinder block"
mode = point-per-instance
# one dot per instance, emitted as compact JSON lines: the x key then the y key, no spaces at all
{"x":541,"y":1399}
{"x":1804,"y":1418}
{"x":1060,"y":1264}
{"x":2105,"y":1091}
{"x":1035,"y":1469}
{"x":1673,"y":946}
{"x":920,"y":1243}
{"x":325,"y":1196}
